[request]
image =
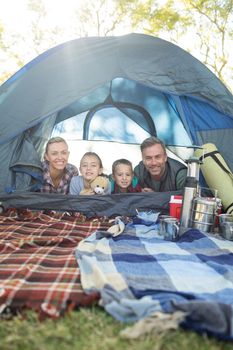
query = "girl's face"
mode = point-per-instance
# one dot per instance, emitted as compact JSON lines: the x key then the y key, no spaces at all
{"x":57,"y":155}
{"x":123,"y":175}
{"x":90,"y":168}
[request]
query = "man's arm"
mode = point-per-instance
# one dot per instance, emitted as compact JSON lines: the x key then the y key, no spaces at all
{"x":180,"y":179}
{"x":147,"y":189}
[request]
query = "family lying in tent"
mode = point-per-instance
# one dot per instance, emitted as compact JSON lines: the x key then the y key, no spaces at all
{"x":156,"y":171}
{"x":54,"y":262}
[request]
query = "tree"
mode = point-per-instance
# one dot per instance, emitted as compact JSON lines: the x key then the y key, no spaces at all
{"x":202,"y":27}
{"x":43,"y":37}
{"x":8,"y":55}
{"x":213,"y":22}
{"x":99,"y":18}
{"x":153,"y":18}
{"x":210,"y":23}
{"x":17,"y":49}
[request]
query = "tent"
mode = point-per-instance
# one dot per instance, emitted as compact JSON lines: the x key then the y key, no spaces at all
{"x":156,"y":88}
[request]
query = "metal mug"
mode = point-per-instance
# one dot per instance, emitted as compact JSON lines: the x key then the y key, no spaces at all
{"x":171,"y":227}
{"x":226,"y":230}
{"x":225,"y":218}
{"x":161,"y":224}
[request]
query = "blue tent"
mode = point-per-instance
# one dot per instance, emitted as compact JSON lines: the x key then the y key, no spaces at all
{"x":156,"y":88}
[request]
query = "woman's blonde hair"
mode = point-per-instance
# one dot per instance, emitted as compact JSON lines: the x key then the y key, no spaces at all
{"x":56,"y":139}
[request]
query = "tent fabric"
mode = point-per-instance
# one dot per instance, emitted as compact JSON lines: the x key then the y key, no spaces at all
{"x":90,"y":206}
{"x":186,"y":102}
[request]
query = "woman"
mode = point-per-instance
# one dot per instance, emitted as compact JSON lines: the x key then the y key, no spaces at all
{"x":57,"y":172}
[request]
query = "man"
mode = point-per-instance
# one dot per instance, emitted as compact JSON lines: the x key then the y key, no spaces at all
{"x":157,"y":172}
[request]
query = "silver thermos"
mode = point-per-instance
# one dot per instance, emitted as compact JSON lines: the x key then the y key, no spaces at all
{"x":189,"y":192}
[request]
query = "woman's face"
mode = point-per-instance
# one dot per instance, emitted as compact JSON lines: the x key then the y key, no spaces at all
{"x":90,"y":168}
{"x":57,"y":155}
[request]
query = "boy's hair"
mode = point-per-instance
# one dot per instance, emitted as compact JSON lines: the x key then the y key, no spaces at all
{"x":151,"y":141}
{"x":56,"y":139}
{"x":92,"y":154}
{"x":121,"y":161}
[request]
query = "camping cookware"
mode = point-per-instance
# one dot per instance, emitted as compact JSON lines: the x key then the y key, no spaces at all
{"x":171,"y":229}
{"x":189,"y":192}
{"x":203,"y":213}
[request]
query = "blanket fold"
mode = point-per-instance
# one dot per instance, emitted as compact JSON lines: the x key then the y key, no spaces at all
{"x":138,"y":274}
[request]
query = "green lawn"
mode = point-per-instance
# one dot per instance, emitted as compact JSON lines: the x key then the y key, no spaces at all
{"x":93,"y":329}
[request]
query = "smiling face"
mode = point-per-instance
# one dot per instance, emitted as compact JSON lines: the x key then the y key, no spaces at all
{"x":57,"y":155}
{"x":90,"y":167}
{"x":154,"y":158}
{"x":123,"y":175}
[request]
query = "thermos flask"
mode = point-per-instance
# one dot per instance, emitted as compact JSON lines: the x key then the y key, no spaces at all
{"x":189,"y":192}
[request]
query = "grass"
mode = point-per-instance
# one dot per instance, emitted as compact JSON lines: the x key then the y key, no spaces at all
{"x":93,"y":329}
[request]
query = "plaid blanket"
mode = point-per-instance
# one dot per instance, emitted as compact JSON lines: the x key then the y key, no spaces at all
{"x":138,"y":273}
{"x":38,"y":269}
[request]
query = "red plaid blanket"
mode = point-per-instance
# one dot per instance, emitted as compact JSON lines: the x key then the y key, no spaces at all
{"x":38,"y":269}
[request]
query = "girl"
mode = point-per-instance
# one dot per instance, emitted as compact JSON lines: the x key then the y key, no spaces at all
{"x":90,"y":167}
{"x":123,"y":177}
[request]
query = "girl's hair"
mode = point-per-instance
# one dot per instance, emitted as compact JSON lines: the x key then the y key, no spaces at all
{"x":121,"y":161}
{"x":56,"y":139}
{"x":92,"y":154}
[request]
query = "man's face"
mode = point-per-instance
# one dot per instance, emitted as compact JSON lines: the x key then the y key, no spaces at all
{"x":154,"y":159}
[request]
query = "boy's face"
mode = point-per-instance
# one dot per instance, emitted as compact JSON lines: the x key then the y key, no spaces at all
{"x":123,"y":175}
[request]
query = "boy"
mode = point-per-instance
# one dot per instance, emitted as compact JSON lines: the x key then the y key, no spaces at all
{"x":123,"y":180}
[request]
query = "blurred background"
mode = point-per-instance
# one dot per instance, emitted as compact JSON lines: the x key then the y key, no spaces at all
{"x":203,"y":28}
{"x":30,"y":27}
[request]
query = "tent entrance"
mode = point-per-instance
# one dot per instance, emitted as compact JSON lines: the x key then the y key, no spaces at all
{"x":122,"y":115}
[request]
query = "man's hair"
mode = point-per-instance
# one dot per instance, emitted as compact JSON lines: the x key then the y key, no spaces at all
{"x":121,"y":161}
{"x":56,"y":139}
{"x":151,"y":141}
{"x":92,"y":154}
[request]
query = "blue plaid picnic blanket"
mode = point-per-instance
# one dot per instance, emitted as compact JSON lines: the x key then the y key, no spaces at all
{"x":138,"y":273}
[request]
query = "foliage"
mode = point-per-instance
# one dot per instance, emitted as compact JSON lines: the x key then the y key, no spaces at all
{"x":202,"y":27}
{"x":217,"y":17}
{"x":92,"y":329}
{"x":208,"y":23}
{"x":93,"y":16}
{"x":152,"y":17}
{"x":41,"y":39}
